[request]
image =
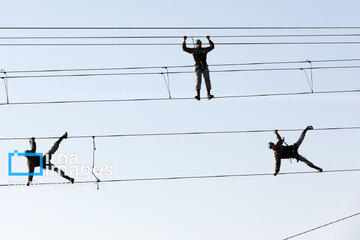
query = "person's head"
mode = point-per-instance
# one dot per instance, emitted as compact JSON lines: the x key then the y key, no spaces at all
{"x":26,"y":152}
{"x":198,"y":43}
{"x":271,"y":145}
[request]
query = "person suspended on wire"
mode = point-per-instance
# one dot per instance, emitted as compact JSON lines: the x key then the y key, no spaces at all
{"x":34,"y":161}
{"x":201,"y":67}
{"x":283,"y":151}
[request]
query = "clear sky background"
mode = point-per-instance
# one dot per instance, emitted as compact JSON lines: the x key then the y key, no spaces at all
{"x":231,"y":208}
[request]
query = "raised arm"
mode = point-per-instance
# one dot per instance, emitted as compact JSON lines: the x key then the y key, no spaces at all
{"x":278,"y":150}
{"x":186,"y":49}
{"x":277,"y":135}
{"x":212,"y":46}
{"x":32,"y":144}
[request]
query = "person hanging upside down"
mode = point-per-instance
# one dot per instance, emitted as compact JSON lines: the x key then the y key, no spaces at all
{"x":34,"y":161}
{"x":283,"y":152}
{"x":201,"y":68}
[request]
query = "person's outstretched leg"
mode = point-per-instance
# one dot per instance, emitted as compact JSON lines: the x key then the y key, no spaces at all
{"x":307,"y":162}
{"x":53,"y":149}
{"x":208,"y":83}
{"x":198,"y":83}
{"x":60,"y":172}
{"x":302,"y":136}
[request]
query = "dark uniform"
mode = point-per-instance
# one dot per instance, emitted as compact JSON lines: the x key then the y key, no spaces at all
{"x":284,"y":152}
{"x":34,"y":161}
{"x":201,"y":66}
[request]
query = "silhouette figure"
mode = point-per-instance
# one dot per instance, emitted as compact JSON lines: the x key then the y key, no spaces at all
{"x":283,"y":152}
{"x":201,"y":67}
{"x":34,"y":161}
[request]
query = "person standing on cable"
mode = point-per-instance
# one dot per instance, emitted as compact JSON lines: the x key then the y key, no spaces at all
{"x":201,"y":68}
{"x":34,"y":161}
{"x":283,"y":152}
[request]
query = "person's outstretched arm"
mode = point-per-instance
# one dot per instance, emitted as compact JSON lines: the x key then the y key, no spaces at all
{"x":32,"y":144}
{"x":278,"y":145}
{"x":278,"y":150}
{"x":31,"y":167}
{"x":277,"y":135}
{"x":212,"y":46}
{"x":186,"y":49}
{"x":277,"y":164}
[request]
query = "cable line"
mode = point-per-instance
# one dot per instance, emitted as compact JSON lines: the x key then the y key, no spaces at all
{"x":182,"y":66}
{"x":186,"y":177}
{"x":179,"y":98}
{"x":176,"y":28}
{"x":188,"y":133}
{"x":173,"y":44}
{"x":180,"y":37}
{"x":325,"y":225}
{"x":182,"y":72}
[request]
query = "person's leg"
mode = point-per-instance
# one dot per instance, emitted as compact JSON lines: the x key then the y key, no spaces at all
{"x":198,"y":82}
{"x":48,"y":156}
{"x":307,"y":162}
{"x":60,"y":172}
{"x":302,"y":136}
{"x":54,"y":148}
{"x":207,"y":82}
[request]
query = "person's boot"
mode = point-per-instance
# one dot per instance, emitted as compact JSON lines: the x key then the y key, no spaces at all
{"x":62,"y":138}
{"x":209,"y":95}
{"x":198,"y":95}
{"x":320,"y":169}
{"x":65,"y":135}
{"x":309,"y":128}
{"x":70,"y":179}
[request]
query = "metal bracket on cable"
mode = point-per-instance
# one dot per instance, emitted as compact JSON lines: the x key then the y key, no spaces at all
{"x":6,"y":85}
{"x":167,"y":81}
{"x":310,"y":81}
{"x":93,"y":166}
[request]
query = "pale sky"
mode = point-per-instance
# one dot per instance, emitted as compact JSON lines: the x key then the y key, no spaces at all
{"x":253,"y":208}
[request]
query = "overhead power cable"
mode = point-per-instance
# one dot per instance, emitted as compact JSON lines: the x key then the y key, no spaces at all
{"x":175,"y":44}
{"x":183,"y":66}
{"x":187,"y":133}
{"x":176,"y":27}
{"x":186,"y":177}
{"x":183,"y":72}
{"x":180,"y":98}
{"x":179,"y":37}
{"x":322,"y":226}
